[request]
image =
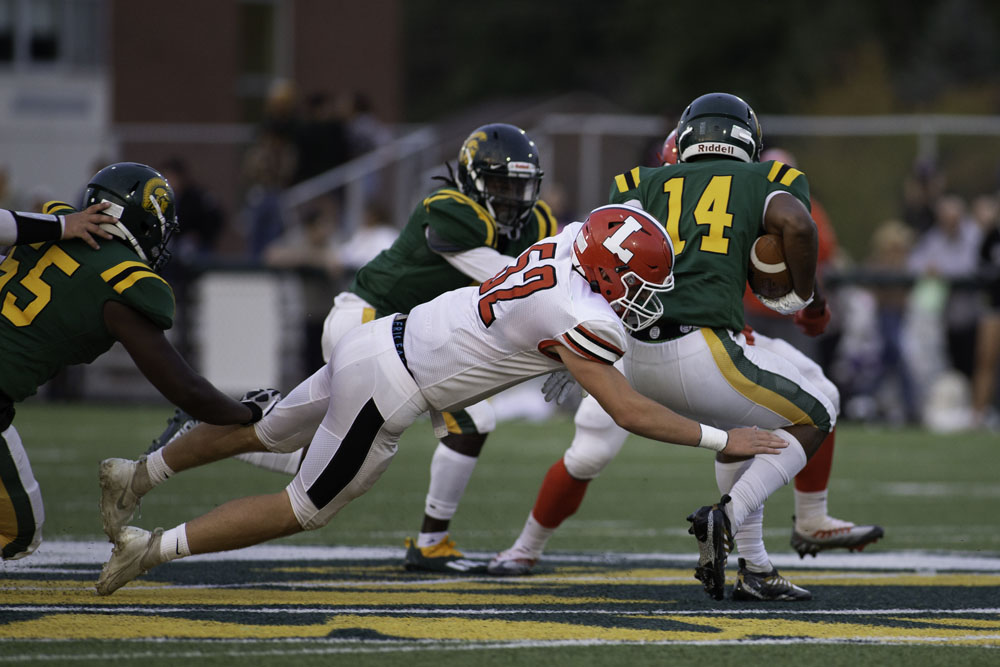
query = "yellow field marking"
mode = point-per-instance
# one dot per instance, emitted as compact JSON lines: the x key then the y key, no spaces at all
{"x":689,"y":628}
{"x":139,"y":593}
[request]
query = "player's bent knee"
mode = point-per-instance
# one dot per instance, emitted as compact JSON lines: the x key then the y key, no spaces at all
{"x":587,"y":462}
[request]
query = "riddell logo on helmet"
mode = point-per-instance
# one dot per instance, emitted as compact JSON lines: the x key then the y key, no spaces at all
{"x":717,"y":149}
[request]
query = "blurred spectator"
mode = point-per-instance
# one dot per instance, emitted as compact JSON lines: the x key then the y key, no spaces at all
{"x":365,"y":131}
{"x":950,"y":251}
{"x":923,"y":186}
{"x":322,"y":140}
{"x":281,"y":112}
{"x":374,"y":235}
{"x":201,"y":222}
{"x":308,"y":248}
{"x":891,"y":245}
{"x":985,"y":211}
{"x":268,"y":167}
{"x":988,"y":332}
{"x":200,"y":216}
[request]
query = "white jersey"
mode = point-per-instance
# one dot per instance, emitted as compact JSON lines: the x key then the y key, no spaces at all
{"x":470,"y":343}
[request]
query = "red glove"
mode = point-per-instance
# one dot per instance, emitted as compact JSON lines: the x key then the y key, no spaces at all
{"x":813,"y":322}
{"x":748,"y":333}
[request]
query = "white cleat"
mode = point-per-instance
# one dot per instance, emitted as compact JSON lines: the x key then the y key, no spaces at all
{"x":118,"y":503}
{"x":126,"y":563}
{"x":831,"y":533}
{"x":513,"y":562}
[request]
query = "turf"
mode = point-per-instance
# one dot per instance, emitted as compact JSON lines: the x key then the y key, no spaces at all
{"x":930,"y":492}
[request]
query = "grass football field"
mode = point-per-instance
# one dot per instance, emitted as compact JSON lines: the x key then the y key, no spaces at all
{"x":616,"y":586}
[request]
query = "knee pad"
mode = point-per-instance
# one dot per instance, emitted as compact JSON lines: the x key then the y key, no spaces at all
{"x":597,"y":441}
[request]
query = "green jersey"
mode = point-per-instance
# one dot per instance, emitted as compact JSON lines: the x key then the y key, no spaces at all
{"x":713,"y":211}
{"x":52,"y":298}
{"x":409,"y":272}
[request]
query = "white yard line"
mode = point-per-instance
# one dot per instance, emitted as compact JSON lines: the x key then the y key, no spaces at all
{"x":56,"y":553}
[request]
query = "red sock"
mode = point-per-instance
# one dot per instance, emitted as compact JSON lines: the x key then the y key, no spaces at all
{"x":559,"y":497}
{"x":816,"y":475}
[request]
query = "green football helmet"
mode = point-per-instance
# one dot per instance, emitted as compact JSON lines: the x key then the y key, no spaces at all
{"x":498,"y":167}
{"x":718,"y":125}
{"x":143,"y":205}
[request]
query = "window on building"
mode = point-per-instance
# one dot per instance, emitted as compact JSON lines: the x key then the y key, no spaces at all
{"x":48,"y":34}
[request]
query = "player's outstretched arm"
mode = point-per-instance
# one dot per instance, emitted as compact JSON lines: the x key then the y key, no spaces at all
{"x":167,"y":370}
{"x":643,"y":416}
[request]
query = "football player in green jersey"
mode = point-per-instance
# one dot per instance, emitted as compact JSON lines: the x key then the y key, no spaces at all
{"x":459,"y":235}
{"x":65,"y":302}
{"x":714,"y":204}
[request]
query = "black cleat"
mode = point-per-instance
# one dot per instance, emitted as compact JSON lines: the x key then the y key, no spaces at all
{"x":711,"y":528}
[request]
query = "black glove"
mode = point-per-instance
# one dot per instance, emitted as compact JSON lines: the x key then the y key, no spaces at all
{"x":260,"y":402}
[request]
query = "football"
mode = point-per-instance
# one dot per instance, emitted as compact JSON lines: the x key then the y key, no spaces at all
{"x":768,"y":275}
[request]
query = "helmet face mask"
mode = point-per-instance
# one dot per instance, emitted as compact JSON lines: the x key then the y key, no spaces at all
{"x":498,"y":167}
{"x":719,"y":125}
{"x":627,"y":257}
{"x":142,"y":203}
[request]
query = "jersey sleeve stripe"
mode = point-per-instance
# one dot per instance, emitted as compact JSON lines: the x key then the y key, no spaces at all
{"x":790,"y":176}
{"x":482,"y":213}
{"x":589,"y":346}
{"x":124,"y":275}
{"x":778,"y":169}
{"x":782,"y":173}
{"x":620,"y":183}
{"x":133,"y":278}
{"x":109,"y":274}
{"x":628,"y":181}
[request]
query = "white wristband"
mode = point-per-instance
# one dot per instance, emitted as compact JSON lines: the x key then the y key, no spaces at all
{"x":713,"y":438}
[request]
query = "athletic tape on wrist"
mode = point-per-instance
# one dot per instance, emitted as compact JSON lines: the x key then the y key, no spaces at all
{"x":713,"y":438}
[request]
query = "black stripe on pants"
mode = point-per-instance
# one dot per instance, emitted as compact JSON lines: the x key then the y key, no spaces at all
{"x":347,"y":461}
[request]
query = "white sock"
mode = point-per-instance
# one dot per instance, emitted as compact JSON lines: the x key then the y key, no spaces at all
{"x":810,"y":506}
{"x":174,"y":543}
{"x":750,"y":536}
{"x":767,"y":474}
{"x":430,"y":539}
{"x":450,"y":473}
{"x":750,"y":542}
{"x":727,"y":474}
{"x":283,"y":462}
{"x":157,"y":468}
{"x":533,"y":537}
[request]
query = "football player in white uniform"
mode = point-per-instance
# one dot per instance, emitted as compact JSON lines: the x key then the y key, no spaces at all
{"x":563,"y":302}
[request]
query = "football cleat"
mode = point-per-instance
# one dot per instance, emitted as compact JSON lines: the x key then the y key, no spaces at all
{"x":831,"y":533}
{"x":766,"y":586}
{"x":118,"y":502}
{"x":132,"y":546}
{"x":178,"y":424}
{"x":710,"y":526}
{"x":441,"y":557}
{"x":513,"y":562}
